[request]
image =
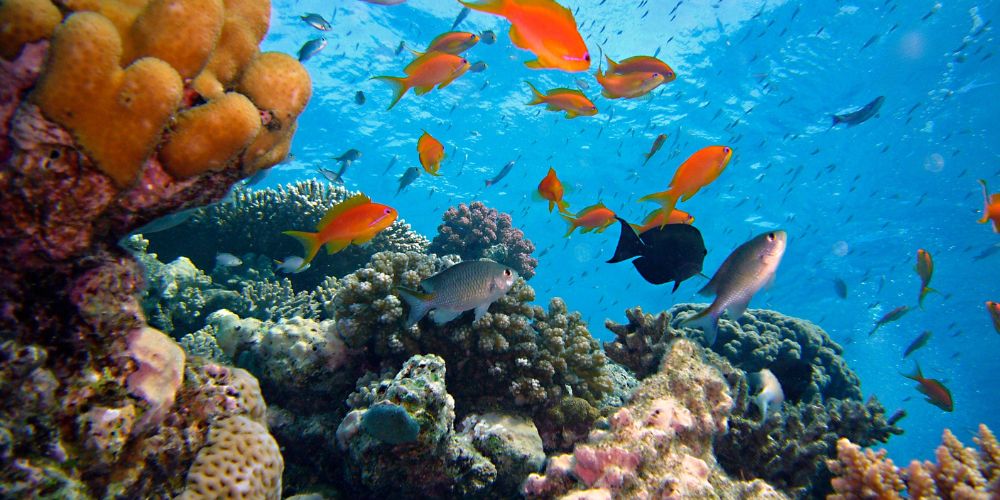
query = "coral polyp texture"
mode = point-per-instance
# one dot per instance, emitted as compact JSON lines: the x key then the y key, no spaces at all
{"x":959,"y":472}
{"x":823,"y":399}
{"x":475,"y":231}
{"x":101,"y":131}
{"x":657,"y":446}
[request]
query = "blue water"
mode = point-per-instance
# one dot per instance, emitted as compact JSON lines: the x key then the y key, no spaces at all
{"x":761,"y":77}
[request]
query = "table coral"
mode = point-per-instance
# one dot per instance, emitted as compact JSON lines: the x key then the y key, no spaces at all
{"x":475,"y":231}
{"x":252,"y":222}
{"x":657,"y":446}
{"x":823,"y":396}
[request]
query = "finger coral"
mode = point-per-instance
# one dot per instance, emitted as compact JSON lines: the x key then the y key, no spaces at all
{"x":474,"y":231}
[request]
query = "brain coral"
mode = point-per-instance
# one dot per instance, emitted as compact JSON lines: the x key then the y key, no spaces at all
{"x":240,"y":460}
{"x":475,"y":231}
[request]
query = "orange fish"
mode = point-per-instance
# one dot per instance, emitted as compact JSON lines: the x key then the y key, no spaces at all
{"x":655,"y":219}
{"x":629,"y":86}
{"x":696,"y":172}
{"x":452,"y":42}
{"x":937,"y":394}
{"x":994,"y":310}
{"x":925,"y":268}
{"x":991,"y":208}
{"x":593,"y":218}
{"x":431,"y":153}
{"x":573,"y":102}
{"x":642,"y":64}
{"x":426,"y":71}
{"x":543,"y":27}
{"x":355,"y":220}
{"x":551,"y":189}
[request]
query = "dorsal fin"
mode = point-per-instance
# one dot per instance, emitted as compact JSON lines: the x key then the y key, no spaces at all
{"x":338,"y":209}
{"x":592,"y":207}
{"x":563,"y":90}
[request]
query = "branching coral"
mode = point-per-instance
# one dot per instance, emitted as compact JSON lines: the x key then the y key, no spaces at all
{"x":960,"y":472}
{"x":823,"y":396}
{"x":252,"y":222}
{"x":475,"y":231}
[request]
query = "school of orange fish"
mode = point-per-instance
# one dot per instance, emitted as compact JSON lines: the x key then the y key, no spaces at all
{"x":549,"y":31}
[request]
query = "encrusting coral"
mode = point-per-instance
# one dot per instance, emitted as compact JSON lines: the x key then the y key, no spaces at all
{"x":822,"y":395}
{"x":252,"y":223}
{"x":960,"y":472}
{"x":475,"y":231}
{"x":86,"y":104}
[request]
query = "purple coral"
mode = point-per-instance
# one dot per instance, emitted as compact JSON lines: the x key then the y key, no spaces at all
{"x":475,"y":231}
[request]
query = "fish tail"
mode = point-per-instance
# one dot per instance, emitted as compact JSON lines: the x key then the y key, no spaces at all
{"x":563,"y":207}
{"x":419,"y":302}
{"x":707,"y":321}
{"x":538,"y":96}
{"x":667,"y":201}
{"x":310,"y":245}
{"x":648,"y":156}
{"x":489,"y":183}
{"x":572,"y":225}
{"x":836,"y":120}
{"x":400,"y":86}
{"x":490,"y":6}
{"x":629,"y":244}
{"x":923,"y":293}
{"x":916,"y":375}
{"x":552,"y":205}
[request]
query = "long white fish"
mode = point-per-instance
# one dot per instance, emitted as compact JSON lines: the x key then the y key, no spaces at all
{"x":291,"y":265}
{"x":751,"y":266}
{"x":464,"y":286}
{"x":227,"y":260}
{"x":770,"y":392}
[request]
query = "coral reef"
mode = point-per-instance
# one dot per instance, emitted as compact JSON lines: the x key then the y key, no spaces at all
{"x":960,"y":472}
{"x":85,"y":114}
{"x":657,"y":446}
{"x":409,"y":448}
{"x":239,"y":460}
{"x":474,"y":231}
{"x":251,"y":222}
{"x":822,"y":395}
{"x":511,"y":443}
{"x":517,"y":356}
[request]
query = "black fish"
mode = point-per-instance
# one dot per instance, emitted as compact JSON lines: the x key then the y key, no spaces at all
{"x":918,"y":343}
{"x":896,"y":417}
{"x":861,"y":115}
{"x":674,"y":252}
{"x":359,"y":97}
{"x":407,"y":178}
{"x":841,"y":287}
{"x":503,"y":173}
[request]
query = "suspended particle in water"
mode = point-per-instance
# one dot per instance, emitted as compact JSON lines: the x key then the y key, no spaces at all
{"x":583,"y":253}
{"x":934,"y":163}
{"x":840,"y":248}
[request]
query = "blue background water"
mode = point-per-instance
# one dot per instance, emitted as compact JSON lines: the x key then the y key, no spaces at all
{"x":760,"y":77}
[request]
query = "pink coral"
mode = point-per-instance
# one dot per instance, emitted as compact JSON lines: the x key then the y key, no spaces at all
{"x":160,"y":372}
{"x":604,"y":467}
{"x":475,"y":231}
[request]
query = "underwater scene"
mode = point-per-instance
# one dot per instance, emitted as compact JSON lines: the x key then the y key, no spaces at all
{"x":581,"y":249}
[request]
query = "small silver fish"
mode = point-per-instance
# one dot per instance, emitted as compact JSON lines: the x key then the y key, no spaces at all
{"x":227,"y":260}
{"x":407,"y":178}
{"x":478,"y":67}
{"x":488,"y":37}
{"x":582,"y":84}
{"x":332,"y":176}
{"x":291,"y":265}
{"x":461,"y":17}
{"x":311,"y":48}
{"x":464,"y":286}
{"x":316,"y":21}
{"x":770,"y":392}
{"x":751,"y":266}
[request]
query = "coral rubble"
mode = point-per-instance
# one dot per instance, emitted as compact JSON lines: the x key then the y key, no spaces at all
{"x":475,"y":231}
{"x":97,"y":402}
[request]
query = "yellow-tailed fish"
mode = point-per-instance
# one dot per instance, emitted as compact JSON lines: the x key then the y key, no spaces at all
{"x":355,"y":220}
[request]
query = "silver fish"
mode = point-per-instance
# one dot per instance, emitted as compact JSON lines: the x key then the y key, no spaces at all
{"x":311,"y":48}
{"x":332,"y":176}
{"x":227,"y":260}
{"x":488,"y":37}
{"x":316,"y":21}
{"x":291,"y":265}
{"x":770,"y":392}
{"x":751,"y":266}
{"x":407,"y":178}
{"x":464,"y":286}
{"x":861,"y":115}
{"x":478,"y":67}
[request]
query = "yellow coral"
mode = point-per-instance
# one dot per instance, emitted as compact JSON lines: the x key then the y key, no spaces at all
{"x":115,"y":115}
{"x":279,"y":85}
{"x":181,"y":32}
{"x":244,"y":27}
{"x":240,"y":460}
{"x":274,"y":156}
{"x":208,"y":137}
{"x":23,"y":21}
{"x":121,"y":13}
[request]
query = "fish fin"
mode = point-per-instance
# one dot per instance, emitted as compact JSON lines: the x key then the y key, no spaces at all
{"x":677,"y":284}
{"x":629,"y":244}
{"x":648,"y":156}
{"x":400,"y":85}
{"x":364,"y":239}
{"x":707,"y":321}
{"x":518,"y":40}
{"x":415,"y":53}
{"x":334,"y":246}
{"x":836,"y":120}
{"x":563,"y":207}
{"x":916,"y":375}
{"x":538,"y":96}
{"x":611,"y":63}
{"x":923,"y":293}
{"x":552,"y":205}
{"x":422,"y":90}
{"x":489,"y":6}
{"x":442,"y":316}
{"x":665,"y":198}
{"x":310,"y":244}
{"x":571,"y":114}
{"x":419,"y":303}
{"x":569,"y":220}
{"x":481,"y":310}
{"x":338,"y":209}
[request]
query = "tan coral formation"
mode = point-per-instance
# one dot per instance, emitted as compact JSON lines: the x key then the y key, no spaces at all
{"x":239,"y":460}
{"x":23,"y":21}
{"x":960,"y":472}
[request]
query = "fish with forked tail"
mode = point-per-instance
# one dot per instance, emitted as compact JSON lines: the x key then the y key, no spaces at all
{"x":860,"y":116}
{"x":355,"y":220}
{"x":751,"y":266}
{"x":467,"y":285}
{"x":937,"y":394}
{"x":889,"y":317}
{"x":674,"y":252}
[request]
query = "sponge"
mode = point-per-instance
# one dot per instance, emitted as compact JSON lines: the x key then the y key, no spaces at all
{"x":115,"y":115}
{"x":208,"y":137}
{"x":23,"y":21}
{"x":182,"y":33}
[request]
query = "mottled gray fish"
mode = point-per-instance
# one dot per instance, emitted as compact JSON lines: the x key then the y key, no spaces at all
{"x":478,"y":67}
{"x":488,"y":37}
{"x":316,"y":21}
{"x":861,"y":115}
{"x":407,"y":178}
{"x":751,"y":266}
{"x":311,"y":48}
{"x":464,"y":286}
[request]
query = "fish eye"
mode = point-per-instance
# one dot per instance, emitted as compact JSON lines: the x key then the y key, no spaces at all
{"x":388,"y":211}
{"x":586,"y":57}
{"x":506,"y":272}
{"x":770,"y":236}
{"x":725,"y":150}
